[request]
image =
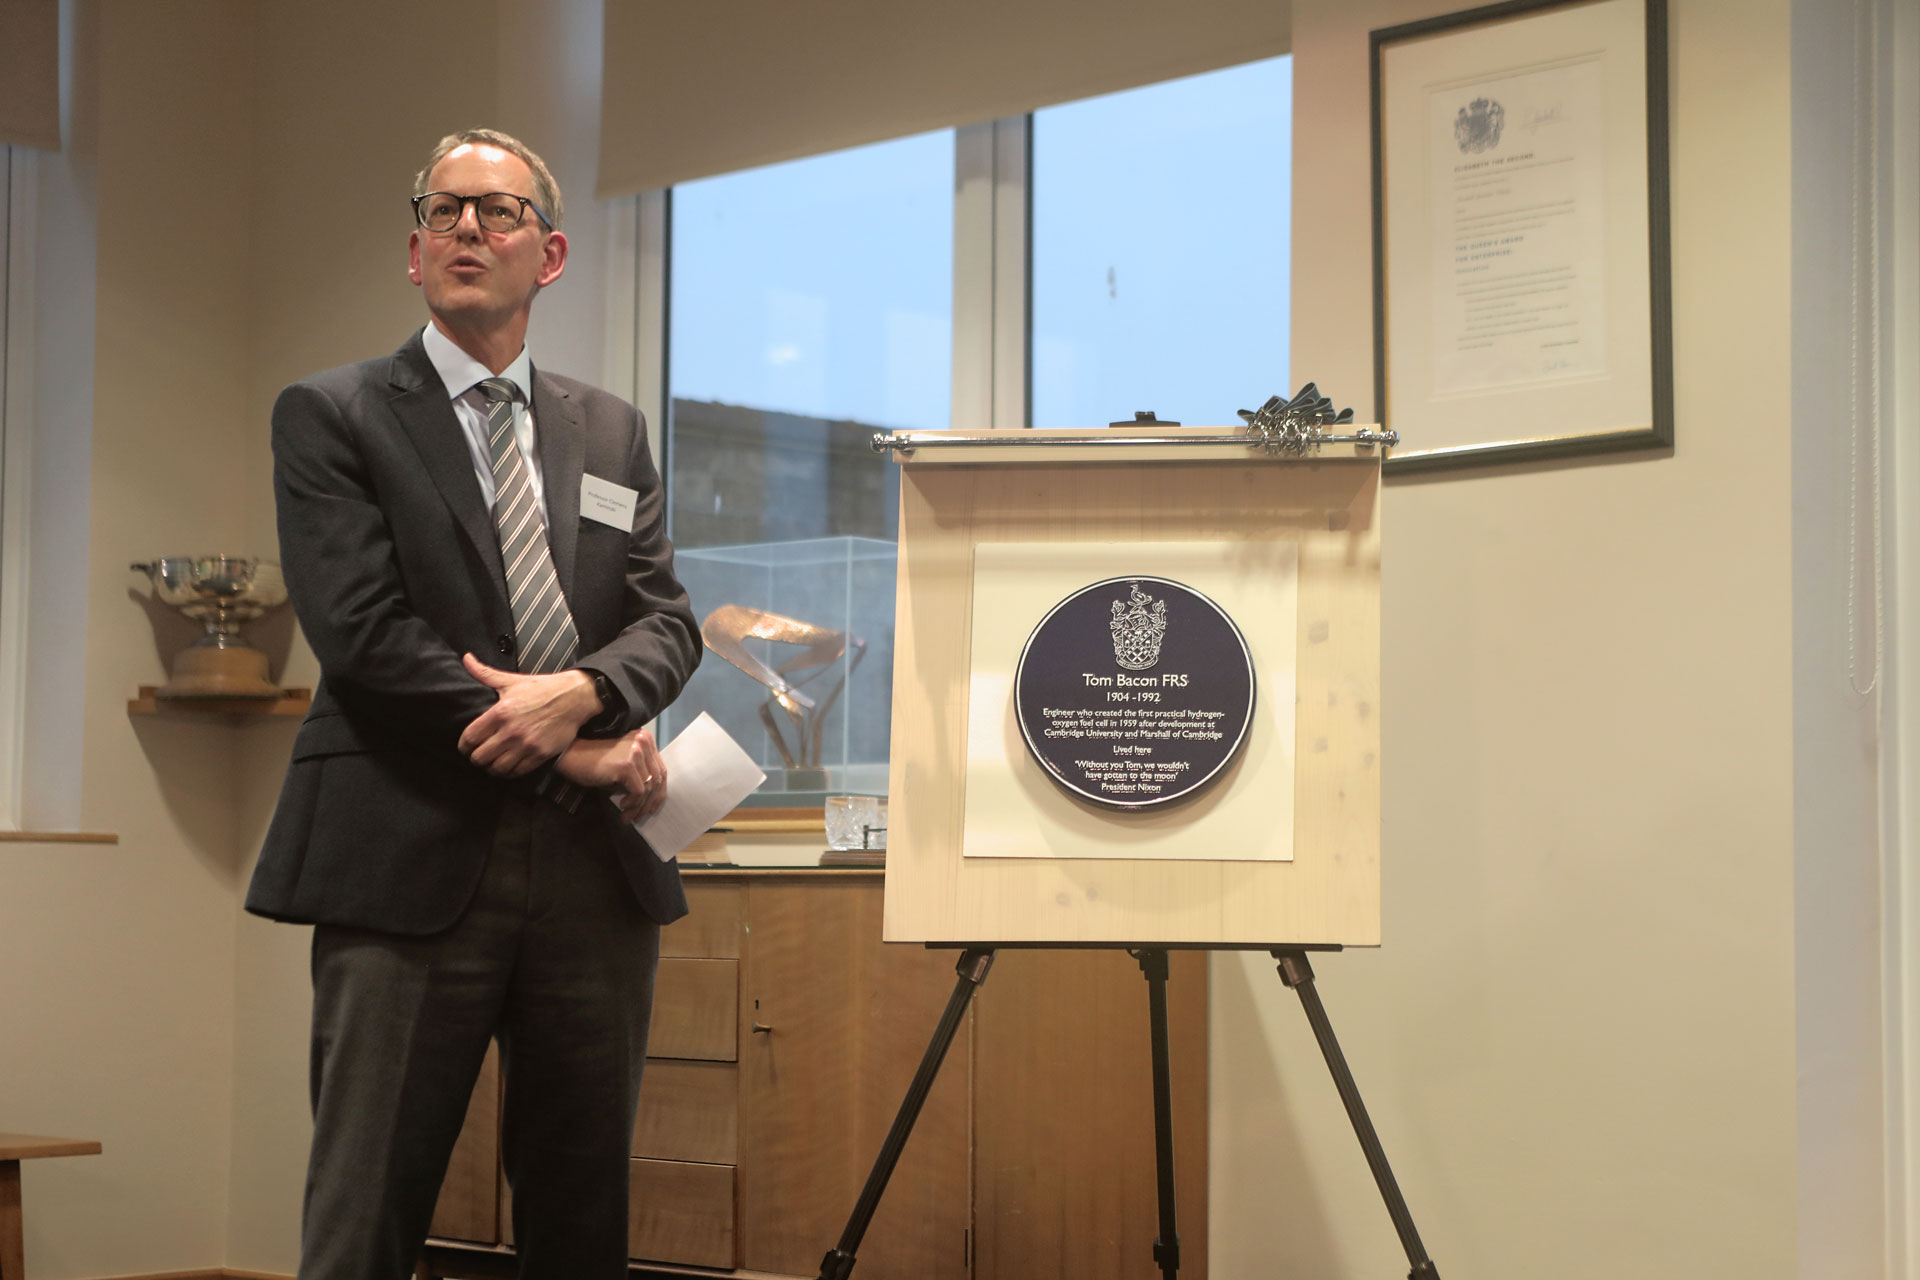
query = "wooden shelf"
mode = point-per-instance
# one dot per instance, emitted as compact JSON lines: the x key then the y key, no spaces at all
{"x":291,"y":702}
{"x":769,"y":821}
{"x":29,"y":1146}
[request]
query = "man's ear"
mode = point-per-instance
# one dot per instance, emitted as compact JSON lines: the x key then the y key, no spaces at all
{"x":413,"y":256}
{"x":553,"y":258}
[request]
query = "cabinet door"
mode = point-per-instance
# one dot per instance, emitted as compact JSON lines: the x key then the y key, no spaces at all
{"x":1063,"y":1116}
{"x":833,"y":1026}
{"x":469,"y":1207}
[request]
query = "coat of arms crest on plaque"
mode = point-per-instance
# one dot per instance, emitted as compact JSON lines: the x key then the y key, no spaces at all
{"x":1139,"y":624}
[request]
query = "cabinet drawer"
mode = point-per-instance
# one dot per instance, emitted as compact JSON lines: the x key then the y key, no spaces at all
{"x":689,"y":1111}
{"x":696,"y":1010}
{"x":681,"y":1213}
{"x":713,"y":925}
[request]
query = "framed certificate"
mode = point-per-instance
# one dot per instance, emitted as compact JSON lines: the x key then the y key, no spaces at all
{"x":1520,"y":234}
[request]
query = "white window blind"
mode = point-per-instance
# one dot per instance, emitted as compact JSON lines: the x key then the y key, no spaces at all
{"x":692,"y":90}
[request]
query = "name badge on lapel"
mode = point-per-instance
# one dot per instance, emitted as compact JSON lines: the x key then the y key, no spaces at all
{"x":607,"y":502}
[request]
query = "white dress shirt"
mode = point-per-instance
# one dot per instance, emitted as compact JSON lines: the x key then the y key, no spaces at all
{"x":463,"y":376}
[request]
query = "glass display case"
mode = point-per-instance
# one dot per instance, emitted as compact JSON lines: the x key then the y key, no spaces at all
{"x":814,"y":709}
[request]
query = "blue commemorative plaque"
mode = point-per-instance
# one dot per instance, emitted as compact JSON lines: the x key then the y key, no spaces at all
{"x":1135,"y":692}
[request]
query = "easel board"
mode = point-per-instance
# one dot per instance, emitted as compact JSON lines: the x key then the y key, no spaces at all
{"x":1248,"y":511}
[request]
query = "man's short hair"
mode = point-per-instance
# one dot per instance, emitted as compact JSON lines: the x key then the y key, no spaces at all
{"x":546,"y":192}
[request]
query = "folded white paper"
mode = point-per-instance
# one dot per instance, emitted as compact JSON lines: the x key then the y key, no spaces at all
{"x":708,"y":775}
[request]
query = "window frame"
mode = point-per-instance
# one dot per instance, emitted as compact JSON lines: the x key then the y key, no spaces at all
{"x":993,"y":275}
{"x":16,"y":364}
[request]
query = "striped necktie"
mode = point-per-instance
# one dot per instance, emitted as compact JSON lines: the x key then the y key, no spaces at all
{"x":542,"y":623}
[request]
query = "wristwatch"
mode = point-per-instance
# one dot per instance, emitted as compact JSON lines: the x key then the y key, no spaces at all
{"x":603,"y":689}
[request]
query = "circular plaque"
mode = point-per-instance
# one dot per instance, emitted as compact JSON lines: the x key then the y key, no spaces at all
{"x":1134,"y":692}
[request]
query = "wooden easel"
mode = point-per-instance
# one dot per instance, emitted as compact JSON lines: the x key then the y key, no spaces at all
{"x":1281,"y":529}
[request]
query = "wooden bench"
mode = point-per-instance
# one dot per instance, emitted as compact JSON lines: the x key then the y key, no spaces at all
{"x":15,"y":1147}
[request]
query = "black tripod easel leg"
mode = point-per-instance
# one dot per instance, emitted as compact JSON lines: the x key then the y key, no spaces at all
{"x":1166,"y":1247}
{"x":972,"y":968}
{"x":1298,"y":974}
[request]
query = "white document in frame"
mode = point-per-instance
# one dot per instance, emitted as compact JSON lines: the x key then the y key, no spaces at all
{"x":708,"y":775}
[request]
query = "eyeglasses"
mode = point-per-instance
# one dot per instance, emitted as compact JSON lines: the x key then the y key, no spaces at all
{"x":496,"y":210}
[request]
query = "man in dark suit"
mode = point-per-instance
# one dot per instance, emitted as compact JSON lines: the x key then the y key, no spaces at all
{"x":476,"y":550}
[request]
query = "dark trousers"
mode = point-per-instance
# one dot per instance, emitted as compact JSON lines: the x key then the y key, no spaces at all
{"x":554,"y":958}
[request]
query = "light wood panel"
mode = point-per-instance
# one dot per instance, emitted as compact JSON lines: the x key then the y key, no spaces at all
{"x":469,"y":1205}
{"x":695,"y":1010}
{"x":681,"y":1213}
{"x":689,"y":1111}
{"x":848,"y":1020}
{"x":1064,"y":1173}
{"x":1329,"y":510}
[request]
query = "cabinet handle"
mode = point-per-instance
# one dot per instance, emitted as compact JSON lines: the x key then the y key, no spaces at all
{"x":762,"y":1029}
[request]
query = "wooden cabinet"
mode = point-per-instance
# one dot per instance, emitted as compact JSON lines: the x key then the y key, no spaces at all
{"x":785,"y":1035}
{"x":1063,"y":1119}
{"x":469,"y":1207}
{"x":838,"y":1024}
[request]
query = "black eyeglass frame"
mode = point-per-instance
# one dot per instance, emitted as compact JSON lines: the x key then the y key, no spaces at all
{"x":419,"y":215}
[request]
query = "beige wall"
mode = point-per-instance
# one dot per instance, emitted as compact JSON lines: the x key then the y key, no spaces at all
{"x":1578,"y":1036}
{"x":1579,"y":1039}
{"x":141,"y":1006}
{"x":117,"y":1005}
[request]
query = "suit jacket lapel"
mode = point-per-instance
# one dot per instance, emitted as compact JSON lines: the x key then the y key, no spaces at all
{"x":563,"y":454}
{"x":424,"y":412}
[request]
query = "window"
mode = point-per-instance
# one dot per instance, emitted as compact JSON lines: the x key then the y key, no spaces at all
{"x":809,"y":303}
{"x":1160,"y":244}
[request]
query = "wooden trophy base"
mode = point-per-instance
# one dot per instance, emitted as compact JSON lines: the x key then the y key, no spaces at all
{"x":211,"y":671}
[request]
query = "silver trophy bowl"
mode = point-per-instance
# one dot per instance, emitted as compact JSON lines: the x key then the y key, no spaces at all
{"x":222,"y":592}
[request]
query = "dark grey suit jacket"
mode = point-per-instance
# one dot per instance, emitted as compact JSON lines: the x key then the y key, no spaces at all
{"x":393,"y":566}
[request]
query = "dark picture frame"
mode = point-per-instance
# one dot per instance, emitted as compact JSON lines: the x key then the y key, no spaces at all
{"x":1521,"y":244}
